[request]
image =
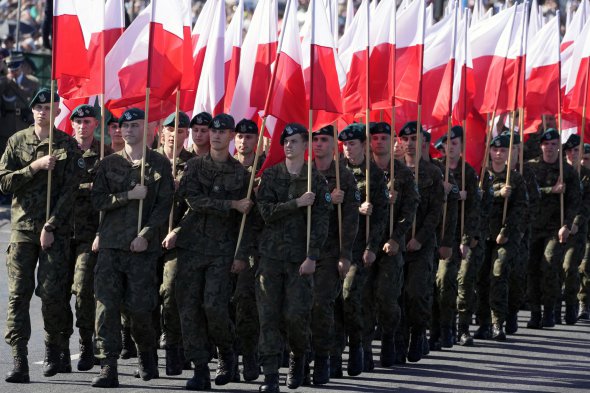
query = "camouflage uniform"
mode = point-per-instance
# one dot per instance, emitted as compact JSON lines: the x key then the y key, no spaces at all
{"x":206,"y":245}
{"x":14,"y":106}
{"x":327,"y":285}
{"x":532,"y":146}
{"x":124,"y":278}
{"x":282,"y":294}
{"x":27,"y":219}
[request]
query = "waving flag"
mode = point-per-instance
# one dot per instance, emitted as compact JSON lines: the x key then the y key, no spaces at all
{"x":233,"y":48}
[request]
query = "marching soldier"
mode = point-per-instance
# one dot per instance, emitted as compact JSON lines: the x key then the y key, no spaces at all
{"x":584,"y":293}
{"x":199,"y":126}
{"x":112,"y":123}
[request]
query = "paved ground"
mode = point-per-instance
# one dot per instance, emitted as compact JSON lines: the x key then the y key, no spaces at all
{"x":551,"y":360}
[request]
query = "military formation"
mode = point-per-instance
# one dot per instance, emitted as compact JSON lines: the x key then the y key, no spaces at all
{"x":193,"y":251}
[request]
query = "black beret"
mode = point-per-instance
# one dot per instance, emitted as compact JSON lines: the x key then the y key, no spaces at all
{"x":131,"y":114}
{"x":426,"y":135}
{"x":440,"y":142}
{"x":410,"y":128}
{"x":83,"y":110}
{"x":549,"y":135}
{"x":379,"y":128}
{"x":110,"y":118}
{"x":246,"y":126}
{"x":327,"y":130}
{"x":502,"y":140}
{"x":183,"y":120}
{"x":292,"y":129}
{"x":456,"y":132}
{"x":43,"y":96}
{"x":222,"y":121}
{"x":14,"y":61}
{"x":353,"y":131}
{"x":515,"y":139}
{"x":572,"y":142}
{"x":202,"y":119}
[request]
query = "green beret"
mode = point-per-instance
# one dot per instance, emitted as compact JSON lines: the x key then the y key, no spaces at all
{"x":550,"y":134}
{"x":456,"y":132}
{"x":110,"y":118}
{"x":410,"y":128}
{"x":83,"y":110}
{"x":131,"y":114}
{"x":515,"y":139}
{"x":183,"y":120}
{"x":222,"y":121}
{"x":202,"y":119}
{"x":379,"y":128}
{"x":43,"y":96}
{"x":292,"y":129}
{"x":353,"y":131}
{"x":246,"y":126}
{"x":327,"y":130}
{"x":572,"y":142}
{"x":502,"y":140}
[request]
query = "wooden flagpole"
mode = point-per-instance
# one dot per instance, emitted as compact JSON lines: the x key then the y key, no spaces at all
{"x":367,"y":121}
{"x":337,"y":168}
{"x":176,"y":113}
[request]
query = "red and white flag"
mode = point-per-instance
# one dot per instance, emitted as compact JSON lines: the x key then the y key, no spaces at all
{"x":233,"y":48}
{"x":383,"y":56}
{"x":572,"y":32}
{"x":188,"y":77}
{"x":577,"y":87}
{"x":349,"y":14}
{"x":464,"y":80}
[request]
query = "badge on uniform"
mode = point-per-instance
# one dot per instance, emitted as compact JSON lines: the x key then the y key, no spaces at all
{"x":328,"y":197}
{"x":42,"y":98}
{"x":289,"y":130}
{"x":357,"y":195}
{"x":81,"y":163}
{"x":216,"y":188}
{"x":80,"y":112}
{"x":216,"y":124}
{"x":128,"y":115}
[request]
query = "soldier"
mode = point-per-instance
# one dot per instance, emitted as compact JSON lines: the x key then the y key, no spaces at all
{"x":385,"y":278}
{"x":171,"y":329}
{"x":503,"y":237}
{"x":215,"y":188}
{"x":532,"y":146}
{"x":84,"y":227}
{"x":200,"y":134}
{"x":125,"y":274}
{"x":549,"y":232}
{"x":336,"y":255}
{"x":574,"y":248}
{"x":112,"y":123}
{"x":367,"y":244}
{"x":584,"y":270}
{"x":16,"y":91}
{"x":284,"y":281}
{"x":23,"y":172}
{"x":420,"y":246}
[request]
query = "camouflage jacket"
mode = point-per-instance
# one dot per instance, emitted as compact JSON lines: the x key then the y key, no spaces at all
{"x":85,"y":219}
{"x":30,"y":190}
{"x":584,"y":212}
{"x":350,"y":214}
{"x":471,"y":204}
{"x":284,"y":235}
{"x":449,"y":234}
{"x":115,"y":176}
{"x":533,"y":193}
{"x":211,"y":226}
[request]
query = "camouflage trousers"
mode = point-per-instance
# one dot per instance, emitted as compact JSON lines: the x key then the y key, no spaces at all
{"x":52,"y":288}
{"x":170,"y":318}
{"x":83,"y":261}
{"x":569,"y":274}
{"x":285,"y":299}
{"x":418,"y":269}
{"x":326,"y":289}
{"x":445,"y":289}
{"x":545,"y":264}
{"x":203,"y":292}
{"x":246,"y":311}
{"x":123,"y":279}
{"x":466,"y":283}
{"x":381,"y":295}
{"x":584,"y":269}
{"x":518,"y":274}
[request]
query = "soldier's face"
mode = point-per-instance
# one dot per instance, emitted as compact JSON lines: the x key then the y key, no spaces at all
{"x":219,"y":139}
{"x":323,"y":146}
{"x":572,"y":155}
{"x":380,"y":144}
{"x":550,"y":150}
{"x":550,"y":122}
{"x":168,"y":136}
{"x":294,"y":146}
{"x":454,"y":148}
{"x":354,"y":149}
{"x":409,"y":144}
{"x":84,"y":127}
{"x":499,"y":155}
{"x":586,"y":160}
{"x":132,"y":132}
{"x":41,"y":113}
{"x":398,"y":150}
{"x":115,"y":133}
{"x":200,"y":135}
{"x":245,"y":143}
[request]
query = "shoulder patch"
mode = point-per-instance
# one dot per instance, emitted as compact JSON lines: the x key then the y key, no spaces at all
{"x":81,"y":163}
{"x":328,"y":197}
{"x":357,"y":195}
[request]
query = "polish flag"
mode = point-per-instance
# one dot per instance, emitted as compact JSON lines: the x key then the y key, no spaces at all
{"x":233,"y":48}
{"x":188,"y":77}
{"x":325,"y":77}
{"x":535,"y":20}
{"x":573,"y":31}
{"x":211,"y":88}
{"x":382,"y":57}
{"x":577,"y":81}
{"x":349,"y":14}
{"x":464,"y":80}
{"x":255,"y":69}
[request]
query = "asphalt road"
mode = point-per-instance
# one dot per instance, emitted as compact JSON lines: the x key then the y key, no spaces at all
{"x":550,"y":360}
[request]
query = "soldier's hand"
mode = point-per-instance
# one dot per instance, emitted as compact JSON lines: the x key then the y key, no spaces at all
{"x":563,"y":234}
{"x":391,"y":247}
{"x":445,"y":252}
{"x":46,"y":239}
{"x":176,"y":184}
{"x":501,"y":239}
{"x":243,"y":205}
{"x":139,"y":244}
{"x":462,"y":195}
{"x":96,"y":244}
{"x":558,"y":188}
{"x":46,"y":163}
{"x":506,"y":191}
{"x":369,"y":257}
{"x":169,"y":241}
{"x":574,"y":229}
{"x":366,"y":208}
{"x":238,"y":266}
{"x":464,"y":250}
{"x":413,"y":245}
{"x":343,"y":267}
{"x":307,"y":268}
{"x":392,"y":197}
{"x":306,"y":199}
{"x":448,"y":187}
{"x":138,"y":192}
{"x":337,"y":196}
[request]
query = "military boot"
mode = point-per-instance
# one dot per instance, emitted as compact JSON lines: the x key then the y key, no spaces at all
{"x":570,"y":314}
{"x":387,"y":351}
{"x":201,"y":380}
{"x":465,"y":338}
{"x":535,"y":321}
{"x":271,"y":384}
{"x":512,"y":323}
{"x":425,"y":345}
{"x":236,"y":374}
{"x":147,"y":366}
{"x":86,"y":361}
{"x":368,"y":363}
{"x":557,"y":313}
{"x":129,"y":349}
{"x":321,"y":370}
{"x":336,"y":366}
{"x":296,"y":371}
{"x":548,"y":317}
{"x":20,"y":370}
{"x":355,"y":360}
{"x":306,"y":373}
{"x":225,"y":368}
{"x":52,"y":360}
{"x":173,"y":362}
{"x":251,"y":370}
{"x":65,"y":361}
{"x":446,"y":337}
{"x":108,"y":377}
{"x":483,"y":332}
{"x":583,"y":313}
{"x":415,"y":347}
{"x":498,"y":332}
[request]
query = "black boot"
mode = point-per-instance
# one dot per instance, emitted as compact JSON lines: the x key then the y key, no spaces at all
{"x":387,"y":351}
{"x":201,"y":380}
{"x":86,"y":361}
{"x":465,"y":338}
{"x":446,"y":337}
{"x":557,"y":313}
{"x":186,"y":364}
{"x":498,"y":332}
{"x":296,"y":371}
{"x":355,"y":360}
{"x":236,"y":374}
{"x":129,"y":349}
{"x":336,"y":366}
{"x":306,"y":373}
{"x":583,"y":313}
{"x":173,"y":363}
{"x":225,"y":368}
{"x":535,"y":321}
{"x":570,"y":314}
{"x":425,"y":345}
{"x":147,"y":366}
{"x":65,"y":362}
{"x":108,"y":377}
{"x":484,"y":332}
{"x":271,"y":384}
{"x":52,"y":360}
{"x":321,"y":370}
{"x":400,"y":351}
{"x":512,"y":323}
{"x":20,"y":371}
{"x":251,"y":370}
{"x":548,"y":317}
{"x":368,"y":363}
{"x":415,"y":347}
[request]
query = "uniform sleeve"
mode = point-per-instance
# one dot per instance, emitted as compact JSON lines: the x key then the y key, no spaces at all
{"x":60,"y":213}
{"x":584,"y":212}
{"x":405,"y":205}
{"x":572,"y":197}
{"x":196,"y":196}
{"x":487,"y":201}
{"x":534,"y":195}
{"x":160,"y":211}
{"x":350,"y":213}
{"x":472,"y":205}
{"x":452,"y":206}
{"x":435,"y":203}
{"x":252,"y":221}
{"x":102,"y":197}
{"x":379,"y":218}
{"x":320,"y":217}
{"x":13,"y":178}
{"x":269,"y":207}
{"x":517,"y":207}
